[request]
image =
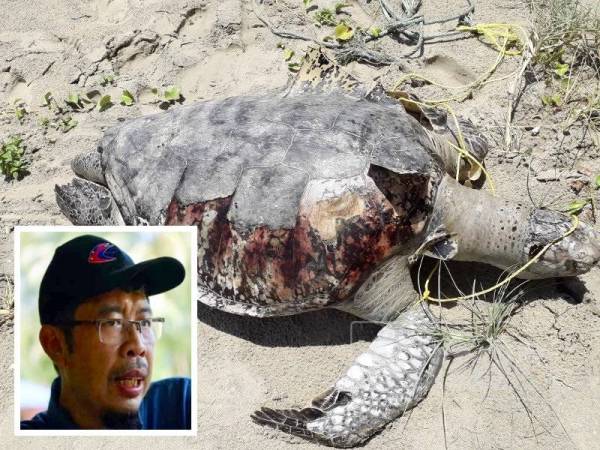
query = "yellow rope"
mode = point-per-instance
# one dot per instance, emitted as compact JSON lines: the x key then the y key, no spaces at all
{"x":470,"y":157}
{"x":493,"y":32}
{"x":461,"y":148}
{"x":427,"y":294}
{"x":500,"y":36}
{"x":467,"y":88}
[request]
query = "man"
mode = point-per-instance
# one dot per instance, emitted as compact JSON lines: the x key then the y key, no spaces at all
{"x":99,"y":331}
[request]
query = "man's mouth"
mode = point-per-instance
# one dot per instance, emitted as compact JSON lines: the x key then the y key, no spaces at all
{"x":131,"y":383}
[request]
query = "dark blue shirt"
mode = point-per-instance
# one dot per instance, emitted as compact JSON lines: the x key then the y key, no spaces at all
{"x":166,"y":406}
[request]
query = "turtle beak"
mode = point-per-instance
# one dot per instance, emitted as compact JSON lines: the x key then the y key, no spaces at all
{"x":585,"y":251}
{"x":573,"y":255}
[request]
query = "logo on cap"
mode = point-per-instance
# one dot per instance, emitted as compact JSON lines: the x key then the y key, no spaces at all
{"x":103,"y":253}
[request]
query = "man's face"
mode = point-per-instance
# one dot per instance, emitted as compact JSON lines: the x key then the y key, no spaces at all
{"x":99,"y":378}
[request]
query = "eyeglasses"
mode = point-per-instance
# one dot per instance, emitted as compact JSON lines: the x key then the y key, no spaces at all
{"x":114,"y":331}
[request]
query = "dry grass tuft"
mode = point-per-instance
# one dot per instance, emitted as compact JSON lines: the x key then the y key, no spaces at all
{"x":481,"y":333}
{"x":566,"y":56}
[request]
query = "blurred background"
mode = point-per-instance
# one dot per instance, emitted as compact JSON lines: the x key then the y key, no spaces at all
{"x":172,"y":355}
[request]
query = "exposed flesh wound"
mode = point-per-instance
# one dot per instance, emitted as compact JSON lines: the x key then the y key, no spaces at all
{"x":336,"y":243}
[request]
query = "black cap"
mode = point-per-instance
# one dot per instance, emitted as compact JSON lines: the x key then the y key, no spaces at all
{"x":88,"y":266}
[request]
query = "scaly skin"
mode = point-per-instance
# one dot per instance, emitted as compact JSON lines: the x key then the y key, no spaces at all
{"x":88,"y":203}
{"x":507,"y":235}
{"x":392,"y":376}
{"x":89,"y":166}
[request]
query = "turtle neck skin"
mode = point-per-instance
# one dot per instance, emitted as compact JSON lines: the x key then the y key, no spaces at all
{"x":485,"y":228}
{"x":507,"y":234}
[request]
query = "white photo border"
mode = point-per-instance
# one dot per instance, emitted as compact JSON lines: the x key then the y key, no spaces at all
{"x":192,"y":230}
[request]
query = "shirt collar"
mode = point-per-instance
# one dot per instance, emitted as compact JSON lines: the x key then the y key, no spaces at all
{"x":57,"y":415}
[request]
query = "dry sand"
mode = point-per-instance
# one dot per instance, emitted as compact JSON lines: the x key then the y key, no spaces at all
{"x":215,"y":49}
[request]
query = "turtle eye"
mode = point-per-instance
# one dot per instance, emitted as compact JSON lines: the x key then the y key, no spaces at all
{"x":534,"y":250}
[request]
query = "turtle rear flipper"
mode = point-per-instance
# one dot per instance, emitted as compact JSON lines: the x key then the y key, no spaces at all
{"x":87,"y":203}
{"x":392,"y":376}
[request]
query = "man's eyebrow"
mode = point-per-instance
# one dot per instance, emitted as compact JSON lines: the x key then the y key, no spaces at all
{"x":107,"y":309}
{"x":145,"y":309}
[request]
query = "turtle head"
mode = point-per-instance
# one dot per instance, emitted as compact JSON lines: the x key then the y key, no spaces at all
{"x":470,"y":225}
{"x":570,"y":254}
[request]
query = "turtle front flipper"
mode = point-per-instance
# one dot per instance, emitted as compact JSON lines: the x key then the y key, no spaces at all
{"x":392,"y":376}
{"x":87,"y":203}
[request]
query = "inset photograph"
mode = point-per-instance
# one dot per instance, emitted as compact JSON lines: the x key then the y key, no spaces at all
{"x":105,"y":330}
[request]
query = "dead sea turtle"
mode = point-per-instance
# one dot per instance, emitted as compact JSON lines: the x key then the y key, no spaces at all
{"x":314,"y":201}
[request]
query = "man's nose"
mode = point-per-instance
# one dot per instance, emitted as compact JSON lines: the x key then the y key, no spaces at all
{"x":133,"y":342}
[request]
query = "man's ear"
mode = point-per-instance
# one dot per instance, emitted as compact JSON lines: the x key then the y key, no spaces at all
{"x":54,"y":344}
{"x":440,"y":245}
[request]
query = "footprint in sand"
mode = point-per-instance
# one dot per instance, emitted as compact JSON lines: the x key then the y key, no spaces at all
{"x":196,"y":23}
{"x":246,"y":71}
{"x":18,"y":90}
{"x":448,"y":71}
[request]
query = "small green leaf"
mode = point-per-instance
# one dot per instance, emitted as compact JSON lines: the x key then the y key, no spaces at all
{"x":597,"y":181}
{"x":306,"y":3}
{"x":20,"y":113}
{"x":104,"y":103}
{"x":566,"y":83}
{"x":294,"y":66}
{"x":172,"y":93}
{"x":154,"y":91}
{"x":325,"y":17}
{"x":339,"y":7}
{"x":11,"y":163}
{"x":127,"y":98}
{"x":68,"y":123}
{"x":48,"y":99}
{"x":107,"y":79}
{"x":576,"y":206}
{"x":552,"y":100}
{"x":49,"y":102}
{"x":44,"y":122}
{"x":74,"y":101}
{"x":561,"y":69}
{"x":343,"y":32}
{"x":288,"y":54}
{"x":556,"y":99}
{"x":375,"y":31}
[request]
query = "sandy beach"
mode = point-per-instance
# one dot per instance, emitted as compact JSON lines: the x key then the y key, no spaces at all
{"x":216,"y":49}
